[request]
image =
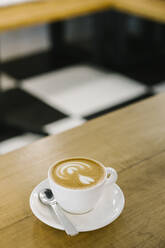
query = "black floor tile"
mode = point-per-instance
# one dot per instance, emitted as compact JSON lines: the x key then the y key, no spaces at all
{"x":7,"y":132}
{"x":42,"y":62}
{"x":147,"y":71}
{"x":22,"y":110}
{"x":119,"y":106}
{"x":148,"y":74}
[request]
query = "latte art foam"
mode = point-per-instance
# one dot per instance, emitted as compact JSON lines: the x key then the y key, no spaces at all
{"x":78,"y":173}
{"x":65,"y":170}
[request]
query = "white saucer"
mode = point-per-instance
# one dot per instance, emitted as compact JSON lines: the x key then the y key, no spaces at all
{"x":107,"y":210}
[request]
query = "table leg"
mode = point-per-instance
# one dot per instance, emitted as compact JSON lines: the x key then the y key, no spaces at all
{"x":0,"y":68}
{"x":57,"y":32}
{"x":99,"y":37}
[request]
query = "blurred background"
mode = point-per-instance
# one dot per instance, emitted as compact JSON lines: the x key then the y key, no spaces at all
{"x":60,"y":74}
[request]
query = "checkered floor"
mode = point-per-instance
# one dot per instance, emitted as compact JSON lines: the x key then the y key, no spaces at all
{"x":60,"y":100}
{"x":37,"y":104}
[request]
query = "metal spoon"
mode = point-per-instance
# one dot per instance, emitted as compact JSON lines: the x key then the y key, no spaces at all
{"x":47,"y":198}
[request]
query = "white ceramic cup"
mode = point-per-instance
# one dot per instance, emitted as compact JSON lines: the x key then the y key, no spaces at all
{"x":79,"y":201}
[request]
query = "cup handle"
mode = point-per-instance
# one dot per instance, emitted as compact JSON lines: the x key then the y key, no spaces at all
{"x":111,"y":175}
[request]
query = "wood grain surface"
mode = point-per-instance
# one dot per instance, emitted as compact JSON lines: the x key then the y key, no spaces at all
{"x":131,"y":140}
{"x":38,"y":12}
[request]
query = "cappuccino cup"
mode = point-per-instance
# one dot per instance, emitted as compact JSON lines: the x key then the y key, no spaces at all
{"x":78,"y":183}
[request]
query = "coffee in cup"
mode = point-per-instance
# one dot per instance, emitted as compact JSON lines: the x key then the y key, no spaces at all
{"x":78,"y":173}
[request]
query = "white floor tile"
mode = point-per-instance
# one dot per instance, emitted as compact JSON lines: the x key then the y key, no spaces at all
{"x":7,"y":82}
{"x":50,"y":85}
{"x":25,"y":41}
{"x":63,"y":125}
{"x":17,"y":142}
{"x":97,"y":95}
{"x":54,"y":83}
{"x":82,"y":90}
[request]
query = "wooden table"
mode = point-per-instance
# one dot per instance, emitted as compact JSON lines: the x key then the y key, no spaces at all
{"x":131,"y":140}
{"x":38,"y":12}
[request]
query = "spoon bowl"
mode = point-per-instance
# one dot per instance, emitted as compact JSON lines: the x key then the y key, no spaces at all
{"x":46,"y":197}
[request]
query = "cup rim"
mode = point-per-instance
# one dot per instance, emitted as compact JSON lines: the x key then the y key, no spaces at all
{"x":78,"y":189}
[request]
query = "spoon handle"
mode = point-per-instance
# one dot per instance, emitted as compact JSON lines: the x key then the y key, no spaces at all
{"x":68,"y":226}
